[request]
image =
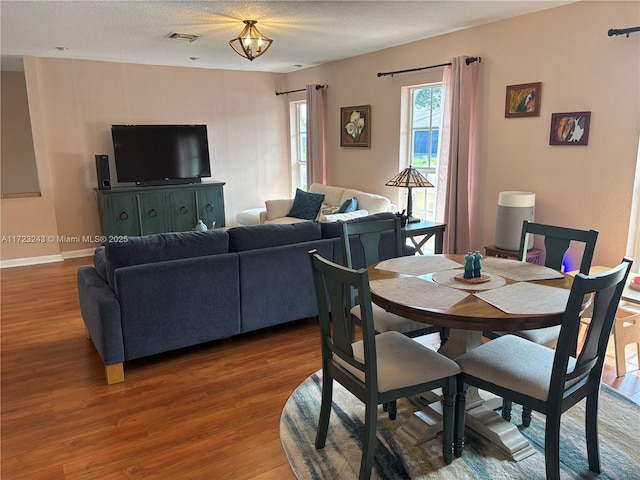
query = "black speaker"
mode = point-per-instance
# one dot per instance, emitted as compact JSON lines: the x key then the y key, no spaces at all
{"x":102,"y":169}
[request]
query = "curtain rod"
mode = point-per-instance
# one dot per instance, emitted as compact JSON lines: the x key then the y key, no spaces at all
{"x":468,"y":61}
{"x":623,"y":31}
{"x":318,"y":87}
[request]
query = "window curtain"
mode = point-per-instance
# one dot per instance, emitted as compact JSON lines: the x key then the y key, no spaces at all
{"x":633,"y":241}
{"x":316,"y":133}
{"x":457,"y":175}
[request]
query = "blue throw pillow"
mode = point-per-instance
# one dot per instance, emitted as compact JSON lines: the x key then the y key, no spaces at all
{"x":306,"y":205}
{"x":349,"y":205}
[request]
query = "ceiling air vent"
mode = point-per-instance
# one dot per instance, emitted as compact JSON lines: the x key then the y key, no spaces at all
{"x":183,"y":36}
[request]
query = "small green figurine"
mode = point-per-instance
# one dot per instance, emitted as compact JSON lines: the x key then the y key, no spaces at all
{"x":476,"y":264}
{"x":469,"y":260}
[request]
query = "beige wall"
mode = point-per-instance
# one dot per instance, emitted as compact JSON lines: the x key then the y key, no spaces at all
{"x":78,"y":101}
{"x":566,"y":48}
{"x":581,"y":69}
{"x":18,"y":160}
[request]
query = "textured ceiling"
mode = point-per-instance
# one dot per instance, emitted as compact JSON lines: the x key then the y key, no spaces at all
{"x":304,"y":32}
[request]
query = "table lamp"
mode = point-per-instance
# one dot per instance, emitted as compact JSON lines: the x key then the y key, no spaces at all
{"x":409,"y":178}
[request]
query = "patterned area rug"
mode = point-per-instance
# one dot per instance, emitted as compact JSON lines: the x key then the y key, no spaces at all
{"x":619,"y":426}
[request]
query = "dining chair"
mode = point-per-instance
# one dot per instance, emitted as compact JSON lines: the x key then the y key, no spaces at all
{"x":378,"y":369}
{"x":556,"y":243}
{"x":366,"y":238}
{"x":546,"y":380}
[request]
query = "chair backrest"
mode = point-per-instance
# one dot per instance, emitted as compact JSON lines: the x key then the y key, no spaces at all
{"x":332,"y":285}
{"x":606,"y":290}
{"x":369,"y":235}
{"x":556,"y":243}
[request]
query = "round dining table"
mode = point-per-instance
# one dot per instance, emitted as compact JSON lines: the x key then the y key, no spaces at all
{"x":511,"y":296}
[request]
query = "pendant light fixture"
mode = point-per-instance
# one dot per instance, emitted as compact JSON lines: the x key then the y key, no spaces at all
{"x":251,"y":43}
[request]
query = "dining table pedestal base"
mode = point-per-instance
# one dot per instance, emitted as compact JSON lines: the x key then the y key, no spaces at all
{"x":425,"y":424}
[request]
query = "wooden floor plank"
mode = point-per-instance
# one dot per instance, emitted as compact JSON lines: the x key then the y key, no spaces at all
{"x":210,"y":411}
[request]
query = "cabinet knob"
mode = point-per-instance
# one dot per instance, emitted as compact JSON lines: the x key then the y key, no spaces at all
{"x":124,"y":215}
{"x":152,"y":213}
{"x":209,"y":207}
{"x":183,"y":210}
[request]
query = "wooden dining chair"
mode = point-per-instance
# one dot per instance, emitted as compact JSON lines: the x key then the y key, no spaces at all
{"x":378,"y":369}
{"x":546,"y":380}
{"x":363,"y":239}
{"x":556,"y":243}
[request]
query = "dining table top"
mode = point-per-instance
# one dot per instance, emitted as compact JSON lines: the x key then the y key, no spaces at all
{"x":515,"y":296}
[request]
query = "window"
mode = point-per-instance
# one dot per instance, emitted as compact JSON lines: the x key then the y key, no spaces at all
{"x":298,"y":115}
{"x":424,"y":143}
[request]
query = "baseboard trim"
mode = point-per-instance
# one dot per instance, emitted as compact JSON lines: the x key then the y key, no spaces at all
{"x":23,"y":262}
{"x":87,"y":252}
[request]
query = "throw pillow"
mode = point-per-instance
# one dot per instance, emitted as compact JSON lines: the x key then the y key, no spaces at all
{"x":349,"y":205}
{"x":328,"y":209}
{"x":306,"y":205}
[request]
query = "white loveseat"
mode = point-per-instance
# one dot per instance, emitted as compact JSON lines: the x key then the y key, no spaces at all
{"x":368,"y":204}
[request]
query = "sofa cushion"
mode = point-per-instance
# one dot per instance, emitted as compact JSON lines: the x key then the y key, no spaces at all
{"x":349,"y":205}
{"x":332,"y":229}
{"x":164,"y":246}
{"x":100,"y":262}
{"x":368,"y":201}
{"x":306,"y":205}
{"x":272,"y":235}
{"x":332,"y":195}
{"x":277,"y":208}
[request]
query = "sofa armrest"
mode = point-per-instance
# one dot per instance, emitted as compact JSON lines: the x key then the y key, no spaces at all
{"x":277,"y":208}
{"x":100,"y":311}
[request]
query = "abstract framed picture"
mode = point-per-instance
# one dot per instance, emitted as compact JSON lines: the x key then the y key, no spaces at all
{"x":523,"y":100}
{"x":355,"y":126}
{"x":570,"y":128}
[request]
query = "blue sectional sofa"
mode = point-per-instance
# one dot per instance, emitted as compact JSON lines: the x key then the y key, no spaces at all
{"x":163,"y":292}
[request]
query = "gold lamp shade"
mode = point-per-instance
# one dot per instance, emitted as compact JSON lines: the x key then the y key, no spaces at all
{"x":409,"y":178}
{"x":251,"y":43}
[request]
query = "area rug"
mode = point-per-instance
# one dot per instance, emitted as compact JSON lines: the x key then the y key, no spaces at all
{"x":619,"y":433}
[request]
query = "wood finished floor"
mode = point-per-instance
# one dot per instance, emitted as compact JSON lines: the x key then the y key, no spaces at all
{"x":206,"y":412}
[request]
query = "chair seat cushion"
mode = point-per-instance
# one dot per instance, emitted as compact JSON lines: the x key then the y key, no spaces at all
{"x":403,"y":362}
{"x":542,"y":336}
{"x":384,"y":321}
{"x":514,"y":363}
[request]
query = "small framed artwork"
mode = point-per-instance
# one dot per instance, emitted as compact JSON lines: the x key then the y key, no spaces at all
{"x":355,"y":126}
{"x":570,"y":128}
{"x":523,"y":100}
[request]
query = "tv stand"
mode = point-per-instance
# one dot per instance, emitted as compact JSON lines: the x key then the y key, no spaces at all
{"x":130,"y":211}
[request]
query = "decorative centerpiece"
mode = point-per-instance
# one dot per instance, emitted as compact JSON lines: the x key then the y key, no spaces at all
{"x":472,"y":269}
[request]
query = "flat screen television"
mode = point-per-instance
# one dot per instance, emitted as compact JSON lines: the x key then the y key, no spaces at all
{"x":161,"y":154}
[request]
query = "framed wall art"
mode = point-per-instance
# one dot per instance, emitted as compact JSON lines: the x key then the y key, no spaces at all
{"x":570,"y":128}
{"x":355,"y":126}
{"x":523,"y":100}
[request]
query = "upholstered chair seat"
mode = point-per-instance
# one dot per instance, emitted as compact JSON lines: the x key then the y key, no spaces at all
{"x":401,"y":362}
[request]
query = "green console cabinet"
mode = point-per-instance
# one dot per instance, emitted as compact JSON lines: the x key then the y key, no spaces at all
{"x":146,"y":210}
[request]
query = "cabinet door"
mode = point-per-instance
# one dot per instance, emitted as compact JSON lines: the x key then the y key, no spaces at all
{"x":182,"y":210}
{"x":119,"y":215}
{"x":211,"y":206}
{"x":153,"y":218}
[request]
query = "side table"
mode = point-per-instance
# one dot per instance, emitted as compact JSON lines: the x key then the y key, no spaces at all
{"x":533,"y":255}
{"x":426,"y":229}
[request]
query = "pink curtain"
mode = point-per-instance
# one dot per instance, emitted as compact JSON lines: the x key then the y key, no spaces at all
{"x":457,"y":179}
{"x":316,"y":133}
